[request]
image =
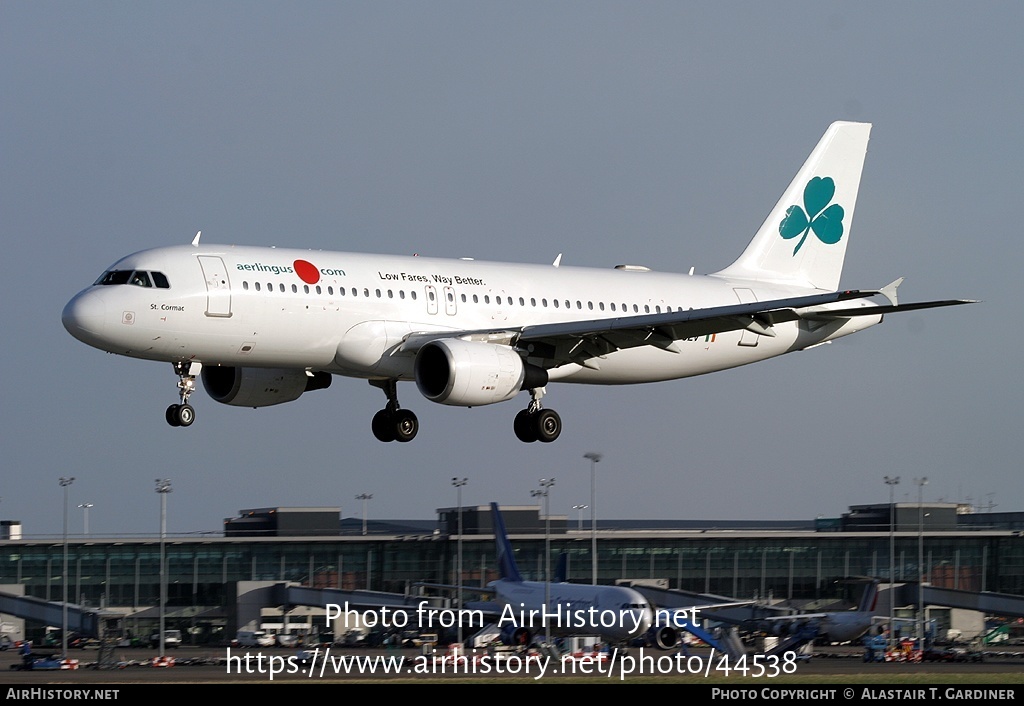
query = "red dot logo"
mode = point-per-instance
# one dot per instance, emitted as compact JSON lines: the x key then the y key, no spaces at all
{"x":307,"y":271}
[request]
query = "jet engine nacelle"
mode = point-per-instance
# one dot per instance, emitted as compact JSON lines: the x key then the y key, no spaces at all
{"x":663,"y":637}
{"x":260,"y":387}
{"x":470,"y":373}
{"x":516,"y":636}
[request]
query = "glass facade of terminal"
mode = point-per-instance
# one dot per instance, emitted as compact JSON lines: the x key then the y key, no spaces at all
{"x":799,"y":565}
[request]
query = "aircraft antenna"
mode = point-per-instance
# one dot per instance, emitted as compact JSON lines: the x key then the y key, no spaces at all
{"x":558,"y":260}
{"x":195,"y":240}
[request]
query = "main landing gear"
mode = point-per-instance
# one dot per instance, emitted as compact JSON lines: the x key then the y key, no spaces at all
{"x":393,"y":423}
{"x":182,"y":415}
{"x":536,"y":423}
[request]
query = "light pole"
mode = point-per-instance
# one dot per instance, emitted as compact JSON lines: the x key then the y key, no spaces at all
{"x":163,"y":487}
{"x":544,"y":492}
{"x":364,"y":497}
{"x":593,"y":457}
{"x":579,"y":515}
{"x":85,"y":517}
{"x":892,"y":482}
{"x":64,"y":483}
{"x":921,"y":483}
{"x":458,"y":483}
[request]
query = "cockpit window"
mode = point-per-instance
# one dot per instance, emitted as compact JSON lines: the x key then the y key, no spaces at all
{"x":115,"y":277}
{"x":139,"y":278}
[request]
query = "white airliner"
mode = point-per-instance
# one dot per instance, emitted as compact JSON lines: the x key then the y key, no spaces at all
{"x":263,"y":325}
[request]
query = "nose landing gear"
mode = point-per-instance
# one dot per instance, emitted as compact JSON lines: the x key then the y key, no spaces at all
{"x":182,"y":415}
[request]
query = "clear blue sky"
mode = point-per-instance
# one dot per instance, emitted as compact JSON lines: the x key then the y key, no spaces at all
{"x":655,"y":133}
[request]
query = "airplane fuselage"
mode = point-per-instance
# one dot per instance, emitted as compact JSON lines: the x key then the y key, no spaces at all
{"x":615,"y":613}
{"x":348,"y":314}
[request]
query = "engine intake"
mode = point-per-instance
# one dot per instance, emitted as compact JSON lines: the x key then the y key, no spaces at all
{"x":472,"y":373}
{"x":663,"y":637}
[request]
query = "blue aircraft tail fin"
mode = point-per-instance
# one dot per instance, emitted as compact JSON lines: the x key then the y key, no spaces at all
{"x":506,"y":560}
{"x":562,"y":570}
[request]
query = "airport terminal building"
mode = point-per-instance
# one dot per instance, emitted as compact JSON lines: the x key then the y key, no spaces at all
{"x":312,"y":547}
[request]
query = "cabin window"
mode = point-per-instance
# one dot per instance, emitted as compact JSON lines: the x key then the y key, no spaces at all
{"x":463,"y":298}
{"x":391,"y":295}
{"x":590,"y":305}
{"x":281,"y":286}
{"x":305,"y":289}
{"x":636,"y":309}
{"x":533,"y":301}
{"x":600,"y":305}
{"x":579,"y":304}
{"x":295,"y":289}
{"x":647,"y":308}
{"x":612,"y":305}
{"x":555,"y":302}
{"x":318,"y":290}
{"x":257,"y":286}
{"x":476,"y":299}
{"x":245,"y":285}
{"x":401,"y":294}
{"x":413,"y":295}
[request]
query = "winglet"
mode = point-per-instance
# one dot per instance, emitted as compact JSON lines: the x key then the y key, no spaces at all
{"x":195,"y":240}
{"x":506,"y":560}
{"x":889,"y":291}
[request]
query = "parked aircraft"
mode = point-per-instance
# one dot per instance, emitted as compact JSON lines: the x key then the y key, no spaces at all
{"x":832,"y":626}
{"x":262,"y":326}
{"x":519,"y":607}
{"x":615,"y":613}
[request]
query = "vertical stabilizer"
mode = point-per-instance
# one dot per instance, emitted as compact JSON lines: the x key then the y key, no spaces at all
{"x":868,"y":598}
{"x":803,"y":240}
{"x":506,"y":560}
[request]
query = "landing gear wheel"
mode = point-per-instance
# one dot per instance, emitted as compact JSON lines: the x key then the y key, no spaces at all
{"x":405,"y":425}
{"x":186,"y":415}
{"x":523,"y":427}
{"x":171,"y":415}
{"x":547,"y":425}
{"x":383,"y":426}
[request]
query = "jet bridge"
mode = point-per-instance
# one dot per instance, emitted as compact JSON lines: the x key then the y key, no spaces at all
{"x":82,"y":621}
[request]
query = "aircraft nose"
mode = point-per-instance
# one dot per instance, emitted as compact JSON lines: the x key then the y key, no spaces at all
{"x":84,"y":317}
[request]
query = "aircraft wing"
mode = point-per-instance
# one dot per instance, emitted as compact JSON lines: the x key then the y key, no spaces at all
{"x":582,"y":341}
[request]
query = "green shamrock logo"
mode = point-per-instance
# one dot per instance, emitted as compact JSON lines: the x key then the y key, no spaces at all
{"x":827,"y":223}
